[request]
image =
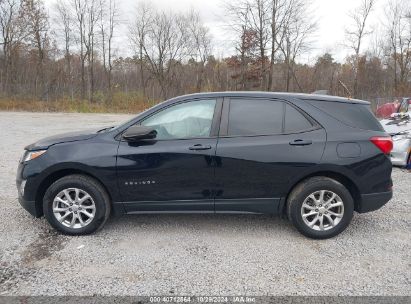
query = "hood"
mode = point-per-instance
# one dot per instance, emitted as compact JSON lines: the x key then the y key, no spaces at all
{"x":62,"y":138}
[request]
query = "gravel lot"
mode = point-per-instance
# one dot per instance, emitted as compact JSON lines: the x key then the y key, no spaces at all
{"x":192,"y":254}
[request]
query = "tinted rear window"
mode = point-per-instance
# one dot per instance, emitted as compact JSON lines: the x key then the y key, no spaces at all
{"x":353,"y":115}
{"x":255,"y":117}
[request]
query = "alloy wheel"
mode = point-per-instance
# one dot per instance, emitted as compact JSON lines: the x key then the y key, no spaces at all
{"x":74,"y":208}
{"x":322,"y":210}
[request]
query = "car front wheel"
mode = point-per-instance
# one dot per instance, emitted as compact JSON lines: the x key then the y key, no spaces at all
{"x":76,"y":205}
{"x":320,"y":207}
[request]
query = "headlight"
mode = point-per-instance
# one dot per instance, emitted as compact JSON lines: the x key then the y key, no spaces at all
{"x":30,"y":155}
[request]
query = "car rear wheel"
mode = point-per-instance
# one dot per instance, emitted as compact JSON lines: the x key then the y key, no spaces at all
{"x":76,"y":205}
{"x":320,"y":207}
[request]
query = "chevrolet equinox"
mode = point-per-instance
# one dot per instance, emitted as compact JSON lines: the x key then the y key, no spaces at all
{"x":315,"y":159}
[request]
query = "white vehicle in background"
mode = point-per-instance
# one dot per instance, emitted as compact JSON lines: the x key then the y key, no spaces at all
{"x":399,"y":127}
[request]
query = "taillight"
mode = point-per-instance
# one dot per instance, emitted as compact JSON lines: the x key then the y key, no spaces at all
{"x":383,"y":143}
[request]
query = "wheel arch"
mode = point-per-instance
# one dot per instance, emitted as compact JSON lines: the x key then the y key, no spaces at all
{"x":56,"y":175}
{"x":341,"y":178}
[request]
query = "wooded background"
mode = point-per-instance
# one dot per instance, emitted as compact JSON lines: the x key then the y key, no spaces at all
{"x":65,"y":58}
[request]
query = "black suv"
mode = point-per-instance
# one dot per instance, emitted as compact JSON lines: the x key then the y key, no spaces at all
{"x":313,"y":158}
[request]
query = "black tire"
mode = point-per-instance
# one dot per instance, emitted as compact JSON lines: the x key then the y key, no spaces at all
{"x":309,"y":186}
{"x":89,"y":185}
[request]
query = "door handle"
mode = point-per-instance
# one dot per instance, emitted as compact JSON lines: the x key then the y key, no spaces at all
{"x":199,"y":147}
{"x":301,"y":142}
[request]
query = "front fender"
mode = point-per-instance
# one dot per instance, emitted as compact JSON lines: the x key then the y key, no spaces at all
{"x":96,"y":159}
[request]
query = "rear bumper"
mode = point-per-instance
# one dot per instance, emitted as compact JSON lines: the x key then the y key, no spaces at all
{"x":373,"y":201}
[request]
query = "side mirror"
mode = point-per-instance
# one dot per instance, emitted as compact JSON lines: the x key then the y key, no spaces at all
{"x":136,"y":132}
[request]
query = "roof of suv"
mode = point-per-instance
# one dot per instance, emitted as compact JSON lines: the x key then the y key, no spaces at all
{"x":278,"y":95}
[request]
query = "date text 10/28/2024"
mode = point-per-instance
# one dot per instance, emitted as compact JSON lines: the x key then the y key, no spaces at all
{"x":202,"y":299}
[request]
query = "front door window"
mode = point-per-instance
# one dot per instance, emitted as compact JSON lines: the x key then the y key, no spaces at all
{"x":186,"y":120}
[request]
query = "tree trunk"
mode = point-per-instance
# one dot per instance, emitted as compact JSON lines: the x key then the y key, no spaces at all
{"x":142,"y":82}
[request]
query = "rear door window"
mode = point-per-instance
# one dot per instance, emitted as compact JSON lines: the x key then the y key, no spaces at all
{"x":255,"y":117}
{"x":248,"y":117}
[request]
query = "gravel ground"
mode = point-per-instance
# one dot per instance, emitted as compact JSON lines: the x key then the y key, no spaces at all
{"x":192,"y":254}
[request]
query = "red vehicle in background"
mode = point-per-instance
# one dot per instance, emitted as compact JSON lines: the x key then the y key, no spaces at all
{"x":387,"y":109}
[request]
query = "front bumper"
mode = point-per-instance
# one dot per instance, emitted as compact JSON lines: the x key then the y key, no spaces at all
{"x":373,"y":201}
{"x":26,"y":187}
{"x":30,"y":206}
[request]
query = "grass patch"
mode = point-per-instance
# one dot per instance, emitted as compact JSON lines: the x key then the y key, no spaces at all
{"x":120,"y":103}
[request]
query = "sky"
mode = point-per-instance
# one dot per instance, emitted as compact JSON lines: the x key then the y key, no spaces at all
{"x":332,"y":17}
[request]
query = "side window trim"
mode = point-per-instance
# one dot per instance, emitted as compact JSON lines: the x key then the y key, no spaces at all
{"x":214,"y":124}
{"x":224,"y":117}
{"x":226,"y":111}
{"x":284,"y":115}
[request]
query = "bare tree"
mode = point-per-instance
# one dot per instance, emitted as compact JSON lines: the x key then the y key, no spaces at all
{"x":37,"y":26}
{"x":246,"y":37}
{"x":93,"y":12}
{"x":87,"y":14}
{"x":297,"y":28}
{"x":165,"y":46}
{"x":398,"y":28}
{"x":200,"y":44}
{"x":356,"y":33}
{"x":109,"y":20}
{"x":80,"y":10}
{"x":276,"y":25}
{"x":138,"y":32}
{"x":259,"y":12}
{"x":12,"y":33}
{"x":65,"y":22}
{"x":279,"y":12}
{"x":76,"y":54}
